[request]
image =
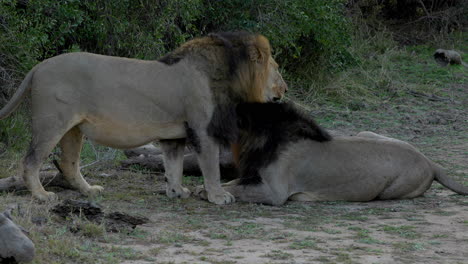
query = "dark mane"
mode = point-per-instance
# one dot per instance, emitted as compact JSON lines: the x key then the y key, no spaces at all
{"x":265,"y":128}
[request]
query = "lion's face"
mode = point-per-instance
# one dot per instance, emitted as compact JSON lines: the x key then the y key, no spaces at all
{"x":276,"y":87}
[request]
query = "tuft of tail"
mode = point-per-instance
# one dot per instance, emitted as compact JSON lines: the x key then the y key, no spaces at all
{"x":443,"y":179}
{"x":18,"y":96}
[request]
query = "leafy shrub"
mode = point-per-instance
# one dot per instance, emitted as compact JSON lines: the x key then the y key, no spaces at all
{"x":38,"y":29}
{"x":301,"y":32}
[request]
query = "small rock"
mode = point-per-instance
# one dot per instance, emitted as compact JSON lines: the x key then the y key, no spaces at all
{"x":14,"y":244}
{"x":445,"y":57}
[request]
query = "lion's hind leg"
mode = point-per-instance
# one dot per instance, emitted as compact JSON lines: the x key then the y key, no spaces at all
{"x":173,"y":154}
{"x":45,"y":137}
{"x":31,"y":165}
{"x":70,"y":145}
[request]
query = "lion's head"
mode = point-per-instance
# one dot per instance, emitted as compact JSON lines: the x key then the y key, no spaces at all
{"x":275,"y":86}
{"x":239,"y":65}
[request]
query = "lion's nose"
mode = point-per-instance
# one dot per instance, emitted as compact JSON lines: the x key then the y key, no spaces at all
{"x":276,"y":99}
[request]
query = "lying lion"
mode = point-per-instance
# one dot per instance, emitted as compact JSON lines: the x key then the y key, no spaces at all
{"x":361,"y":168}
{"x":124,"y":103}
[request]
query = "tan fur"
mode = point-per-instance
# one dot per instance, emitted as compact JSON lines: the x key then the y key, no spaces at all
{"x":361,"y":168}
{"x":124,"y":103}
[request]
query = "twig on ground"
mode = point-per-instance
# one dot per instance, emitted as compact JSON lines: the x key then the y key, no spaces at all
{"x":431,"y":97}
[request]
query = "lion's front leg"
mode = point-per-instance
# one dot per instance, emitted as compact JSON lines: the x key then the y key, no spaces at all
{"x":208,"y":160}
{"x":173,"y":154}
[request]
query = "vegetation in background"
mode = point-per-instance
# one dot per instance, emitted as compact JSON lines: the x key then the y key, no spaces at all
{"x":332,"y":52}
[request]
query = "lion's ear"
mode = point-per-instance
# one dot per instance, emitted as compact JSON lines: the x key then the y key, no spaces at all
{"x":260,"y":50}
{"x":256,"y":54}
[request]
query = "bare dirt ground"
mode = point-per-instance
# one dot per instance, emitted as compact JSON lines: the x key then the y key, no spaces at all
{"x":429,"y":229}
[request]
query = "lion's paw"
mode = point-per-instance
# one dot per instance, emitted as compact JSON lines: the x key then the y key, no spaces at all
{"x":221,"y":197}
{"x":44,"y":196}
{"x":177,"y":192}
{"x":94,"y":190}
{"x":201,"y":192}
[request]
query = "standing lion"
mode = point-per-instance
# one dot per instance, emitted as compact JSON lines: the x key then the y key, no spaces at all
{"x":123,"y":103}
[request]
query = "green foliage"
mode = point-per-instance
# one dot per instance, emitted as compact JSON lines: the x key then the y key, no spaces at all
{"x":140,"y":29}
{"x":14,"y":131}
{"x":38,"y":29}
{"x":301,"y":32}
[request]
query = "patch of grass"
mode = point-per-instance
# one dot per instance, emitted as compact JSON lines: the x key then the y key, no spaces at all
{"x":301,"y":226}
{"x":155,"y":251}
{"x":370,"y":240}
{"x":278,"y":255}
{"x":408,"y":246}
{"x":139,"y":233}
{"x":91,"y":152}
{"x":374,"y":250}
{"x":331,"y":231}
{"x":15,"y":131}
{"x":213,"y":261}
{"x":125,"y":253}
{"x":9,"y":163}
{"x":307,"y":243}
{"x":92,"y":230}
{"x":246,"y":230}
{"x":355,"y":216}
{"x":192,"y":180}
{"x":195,"y":222}
{"x":167,"y":237}
{"x":279,"y":236}
{"x":343,"y":257}
{"x":440,"y":236}
{"x":219,"y":236}
{"x":404,"y":231}
{"x":363,"y":236}
{"x":323,"y":259}
{"x":382,"y":76}
{"x":414,"y":218}
{"x":445,"y":213}
{"x":231,"y":232}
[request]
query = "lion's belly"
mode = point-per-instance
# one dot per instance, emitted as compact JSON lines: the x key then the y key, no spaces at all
{"x":128,"y":135}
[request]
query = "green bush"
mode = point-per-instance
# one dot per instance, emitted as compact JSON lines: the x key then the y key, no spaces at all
{"x":37,"y":29}
{"x":301,"y":32}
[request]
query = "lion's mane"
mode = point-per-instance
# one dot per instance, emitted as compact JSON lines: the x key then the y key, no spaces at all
{"x":237,"y":65}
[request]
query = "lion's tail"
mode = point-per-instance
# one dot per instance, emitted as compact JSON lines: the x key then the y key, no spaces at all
{"x":446,"y":181}
{"x":18,"y":96}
